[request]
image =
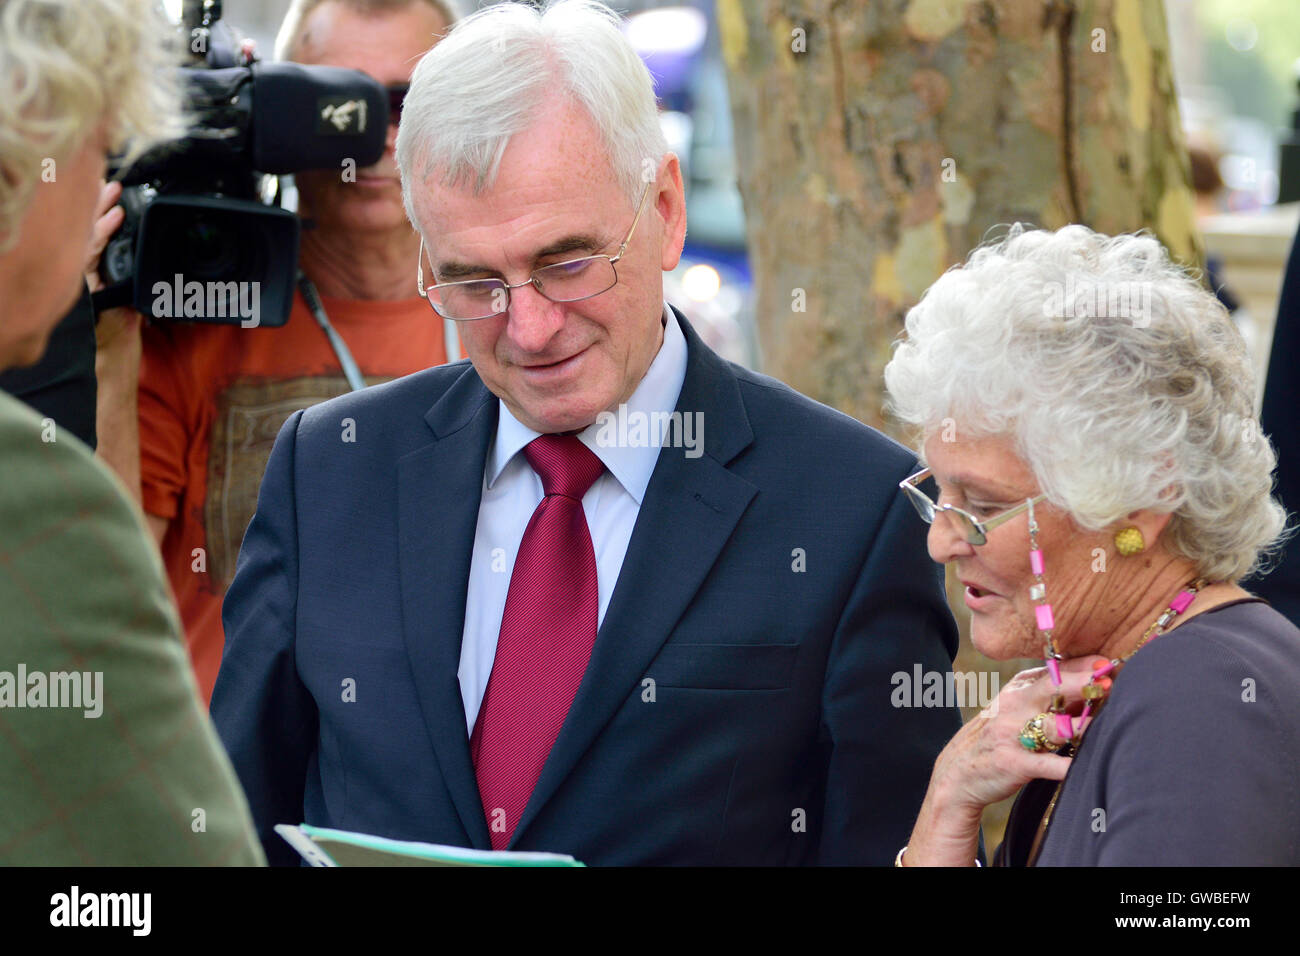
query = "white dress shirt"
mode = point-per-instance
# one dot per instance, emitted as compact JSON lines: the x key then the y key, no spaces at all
{"x":512,"y":492}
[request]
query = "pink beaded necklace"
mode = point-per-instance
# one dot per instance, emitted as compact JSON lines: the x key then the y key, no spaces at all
{"x":1067,"y":727}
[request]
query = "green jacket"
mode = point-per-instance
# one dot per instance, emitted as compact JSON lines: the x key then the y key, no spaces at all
{"x":106,"y":754}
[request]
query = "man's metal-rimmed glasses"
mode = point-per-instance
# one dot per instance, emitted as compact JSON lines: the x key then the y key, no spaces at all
{"x":570,"y":281}
{"x":973,"y":529}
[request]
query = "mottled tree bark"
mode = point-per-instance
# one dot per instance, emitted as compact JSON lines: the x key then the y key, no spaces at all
{"x":878,"y":140}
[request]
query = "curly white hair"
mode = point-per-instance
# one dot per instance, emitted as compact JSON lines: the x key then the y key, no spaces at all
{"x":1121,"y":381}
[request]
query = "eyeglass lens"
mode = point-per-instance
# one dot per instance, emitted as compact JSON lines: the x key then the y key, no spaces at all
{"x":560,"y":282}
{"x":927,"y":509}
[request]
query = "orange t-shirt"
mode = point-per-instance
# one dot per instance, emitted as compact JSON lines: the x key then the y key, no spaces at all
{"x":212,"y":400}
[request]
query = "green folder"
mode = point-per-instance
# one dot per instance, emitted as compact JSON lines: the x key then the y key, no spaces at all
{"x":323,"y":847}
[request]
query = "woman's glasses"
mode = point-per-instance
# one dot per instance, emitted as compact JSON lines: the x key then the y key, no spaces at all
{"x":973,"y":529}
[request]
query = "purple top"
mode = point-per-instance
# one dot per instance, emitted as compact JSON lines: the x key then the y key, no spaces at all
{"x":1193,"y":761}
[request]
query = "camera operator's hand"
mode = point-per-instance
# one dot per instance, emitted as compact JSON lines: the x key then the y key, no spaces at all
{"x":117,"y":331}
{"x":117,"y":357}
{"x":108,"y":219}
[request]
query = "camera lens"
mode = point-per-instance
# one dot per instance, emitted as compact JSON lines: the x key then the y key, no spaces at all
{"x":213,"y":249}
{"x":205,"y":247}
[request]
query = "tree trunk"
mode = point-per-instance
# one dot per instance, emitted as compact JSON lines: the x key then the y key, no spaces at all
{"x":878,"y":140}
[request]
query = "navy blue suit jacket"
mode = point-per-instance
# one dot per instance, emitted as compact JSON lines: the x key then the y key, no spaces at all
{"x":771,"y":588}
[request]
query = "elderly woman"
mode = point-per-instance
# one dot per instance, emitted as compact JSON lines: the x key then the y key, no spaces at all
{"x":1085,"y":410}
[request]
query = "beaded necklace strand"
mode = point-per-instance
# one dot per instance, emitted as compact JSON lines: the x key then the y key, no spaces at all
{"x":1069,"y":728}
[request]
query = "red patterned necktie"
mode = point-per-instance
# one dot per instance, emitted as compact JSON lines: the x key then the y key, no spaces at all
{"x":547,"y":632}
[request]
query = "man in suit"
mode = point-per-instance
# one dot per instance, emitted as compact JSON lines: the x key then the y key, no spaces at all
{"x":510,"y":602}
{"x":106,"y":755}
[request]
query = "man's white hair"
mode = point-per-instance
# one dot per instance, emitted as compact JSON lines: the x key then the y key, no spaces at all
{"x":484,"y":83}
{"x":66,"y":66}
{"x":1114,"y":409}
{"x":290,"y":34}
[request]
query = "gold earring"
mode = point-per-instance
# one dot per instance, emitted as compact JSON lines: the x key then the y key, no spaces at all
{"x":1129,"y":542}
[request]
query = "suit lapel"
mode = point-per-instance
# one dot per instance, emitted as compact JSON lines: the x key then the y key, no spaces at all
{"x":438,"y":488}
{"x":690,"y":510}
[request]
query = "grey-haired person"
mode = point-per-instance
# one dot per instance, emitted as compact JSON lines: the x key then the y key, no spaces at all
{"x":106,"y":754}
{"x":1085,"y":409}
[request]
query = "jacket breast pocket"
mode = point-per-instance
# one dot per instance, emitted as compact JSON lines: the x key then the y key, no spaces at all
{"x":724,"y":666}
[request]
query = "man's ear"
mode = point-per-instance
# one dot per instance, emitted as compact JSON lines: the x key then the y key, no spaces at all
{"x":670,"y":205}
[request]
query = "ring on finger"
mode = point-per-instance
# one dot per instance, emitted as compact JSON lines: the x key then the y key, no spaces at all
{"x":1033,"y":737}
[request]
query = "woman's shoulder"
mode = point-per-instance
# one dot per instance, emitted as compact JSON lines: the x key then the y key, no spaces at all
{"x":1192,"y":759}
{"x":1247,"y":632}
{"x":1238,"y":660}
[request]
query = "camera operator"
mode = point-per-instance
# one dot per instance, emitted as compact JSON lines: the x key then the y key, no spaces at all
{"x":107,"y":756}
{"x":213,"y":397}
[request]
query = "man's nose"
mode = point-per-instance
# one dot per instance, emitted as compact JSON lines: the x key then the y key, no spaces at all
{"x":945,"y":540}
{"x":532,"y":320}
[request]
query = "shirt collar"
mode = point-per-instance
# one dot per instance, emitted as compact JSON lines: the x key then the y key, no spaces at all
{"x":630,"y":465}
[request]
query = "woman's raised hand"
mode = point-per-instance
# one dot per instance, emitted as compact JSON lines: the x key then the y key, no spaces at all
{"x":985,"y":762}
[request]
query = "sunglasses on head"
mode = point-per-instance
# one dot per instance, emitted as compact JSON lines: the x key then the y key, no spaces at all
{"x":396,"y":94}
